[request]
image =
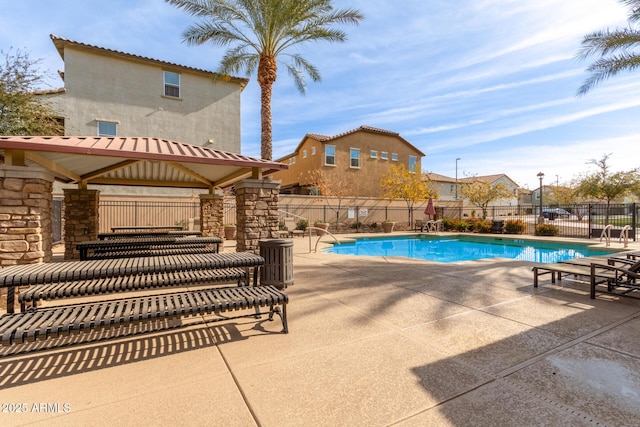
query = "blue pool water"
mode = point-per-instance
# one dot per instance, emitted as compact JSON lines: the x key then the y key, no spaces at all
{"x":466,"y":248}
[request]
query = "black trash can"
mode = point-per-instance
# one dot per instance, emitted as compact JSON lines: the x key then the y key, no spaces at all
{"x":497,"y":227}
{"x":278,"y":262}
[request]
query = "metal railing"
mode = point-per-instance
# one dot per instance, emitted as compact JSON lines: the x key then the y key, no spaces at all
{"x":580,"y":220}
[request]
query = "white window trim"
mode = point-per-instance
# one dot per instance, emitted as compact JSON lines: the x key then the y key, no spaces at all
{"x":416,"y":163}
{"x":384,"y":155}
{"x":313,"y":151}
{"x":98,"y":121}
{"x":304,"y":154}
{"x":374,"y":154}
{"x":165,"y":84}
{"x":394,"y":157}
{"x":335,"y":161}
{"x":351,"y":158}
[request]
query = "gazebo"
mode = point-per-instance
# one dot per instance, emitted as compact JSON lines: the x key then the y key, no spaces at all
{"x":30,"y":165}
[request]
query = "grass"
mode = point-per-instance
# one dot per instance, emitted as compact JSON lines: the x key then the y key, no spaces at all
{"x":616,"y":221}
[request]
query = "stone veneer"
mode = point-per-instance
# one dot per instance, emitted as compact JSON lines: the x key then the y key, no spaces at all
{"x":256,"y":213}
{"x":212,"y":214}
{"x":25,"y":215}
{"x":81,"y":219}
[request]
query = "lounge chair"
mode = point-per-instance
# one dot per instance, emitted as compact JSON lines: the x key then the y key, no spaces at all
{"x":624,"y":280}
{"x":613,"y":272}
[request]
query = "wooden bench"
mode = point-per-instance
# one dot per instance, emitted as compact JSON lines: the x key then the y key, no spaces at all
{"x":61,"y":281}
{"x":147,"y":246}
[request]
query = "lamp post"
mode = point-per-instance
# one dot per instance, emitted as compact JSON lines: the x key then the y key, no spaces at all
{"x":457,"y":158}
{"x":541,"y":217}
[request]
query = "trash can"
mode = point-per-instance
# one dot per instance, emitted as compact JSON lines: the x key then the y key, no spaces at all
{"x":497,"y":227}
{"x":278,"y":262}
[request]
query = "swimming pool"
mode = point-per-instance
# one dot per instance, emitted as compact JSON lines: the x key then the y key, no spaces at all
{"x":466,"y":248}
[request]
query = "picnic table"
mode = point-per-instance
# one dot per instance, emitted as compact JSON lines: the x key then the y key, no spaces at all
{"x":146,"y":228}
{"x":147,"y":246}
{"x":68,"y":280}
{"x":150,"y":233}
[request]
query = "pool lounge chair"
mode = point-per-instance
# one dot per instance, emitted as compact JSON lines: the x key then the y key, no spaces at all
{"x":615,"y":277}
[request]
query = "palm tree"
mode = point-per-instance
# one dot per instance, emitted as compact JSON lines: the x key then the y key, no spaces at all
{"x":617,"y":50}
{"x":259,"y":33}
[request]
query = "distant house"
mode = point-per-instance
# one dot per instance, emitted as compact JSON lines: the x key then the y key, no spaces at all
{"x":112,"y":93}
{"x":360,"y":155}
{"x":450,"y":188}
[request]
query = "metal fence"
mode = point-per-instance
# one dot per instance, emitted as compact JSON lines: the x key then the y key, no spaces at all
{"x":578,"y":220}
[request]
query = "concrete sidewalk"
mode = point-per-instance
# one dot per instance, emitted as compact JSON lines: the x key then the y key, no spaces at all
{"x":373,"y":342}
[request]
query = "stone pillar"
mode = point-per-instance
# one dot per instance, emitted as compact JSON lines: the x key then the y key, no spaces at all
{"x":26,"y":205}
{"x":256,"y":213}
{"x":81,"y":219}
{"x":212,"y":214}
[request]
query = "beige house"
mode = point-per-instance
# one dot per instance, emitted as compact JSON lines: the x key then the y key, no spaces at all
{"x":449,"y":188}
{"x":359,"y":156}
{"x":111,"y":93}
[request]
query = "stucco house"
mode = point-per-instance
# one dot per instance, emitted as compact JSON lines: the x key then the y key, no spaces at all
{"x":112,"y":93}
{"x":450,"y":189}
{"x":360,"y":156}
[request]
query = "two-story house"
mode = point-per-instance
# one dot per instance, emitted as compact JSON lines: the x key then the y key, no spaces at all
{"x":449,"y":189}
{"x":112,"y":93}
{"x":361,"y":156}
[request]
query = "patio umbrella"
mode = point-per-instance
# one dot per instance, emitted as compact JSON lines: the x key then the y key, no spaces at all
{"x":430,"y":210}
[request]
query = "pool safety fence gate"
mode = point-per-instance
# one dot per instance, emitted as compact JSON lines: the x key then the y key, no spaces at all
{"x":576,"y":220}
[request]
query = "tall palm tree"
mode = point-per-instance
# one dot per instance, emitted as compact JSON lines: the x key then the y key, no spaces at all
{"x":618,"y":49}
{"x":259,"y":33}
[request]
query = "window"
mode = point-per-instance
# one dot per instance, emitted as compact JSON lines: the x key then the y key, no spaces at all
{"x":384,"y":155}
{"x":413,"y":163}
{"x":374,"y":154}
{"x":394,"y":157}
{"x":313,"y":151}
{"x":330,"y":155}
{"x":171,"y":84}
{"x":107,"y":128}
{"x":304,"y":154}
{"x":292,"y":160}
{"x":354,"y":155}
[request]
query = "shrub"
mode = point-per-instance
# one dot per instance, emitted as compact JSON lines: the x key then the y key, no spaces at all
{"x":546,"y":230}
{"x":514,"y":226}
{"x":478,"y":225}
{"x":374,"y":225}
{"x":302,"y":224}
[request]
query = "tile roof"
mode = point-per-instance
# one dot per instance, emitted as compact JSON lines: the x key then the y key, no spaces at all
{"x":61,"y":42}
{"x":75,"y":158}
{"x":364,"y":128}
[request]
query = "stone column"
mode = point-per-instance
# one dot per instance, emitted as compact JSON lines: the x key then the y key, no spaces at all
{"x":256,"y":213}
{"x":81,"y":219}
{"x":25,"y":215}
{"x":212,"y":214}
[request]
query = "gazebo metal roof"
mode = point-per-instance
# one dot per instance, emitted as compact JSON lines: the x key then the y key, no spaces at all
{"x":140,"y":161}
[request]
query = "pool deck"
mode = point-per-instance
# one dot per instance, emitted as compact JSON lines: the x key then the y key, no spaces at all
{"x":373,"y":341}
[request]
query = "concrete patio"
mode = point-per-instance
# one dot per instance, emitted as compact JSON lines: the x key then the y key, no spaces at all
{"x":373,"y":342}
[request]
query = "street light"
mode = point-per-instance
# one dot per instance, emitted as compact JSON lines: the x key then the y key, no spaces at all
{"x":458,"y":158}
{"x":541,"y":217}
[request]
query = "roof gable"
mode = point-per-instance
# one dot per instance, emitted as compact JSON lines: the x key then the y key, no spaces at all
{"x":325,"y":139}
{"x":61,"y":43}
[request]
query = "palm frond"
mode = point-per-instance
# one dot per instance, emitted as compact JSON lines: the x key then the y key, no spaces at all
{"x":602,"y":43}
{"x":604,"y":68}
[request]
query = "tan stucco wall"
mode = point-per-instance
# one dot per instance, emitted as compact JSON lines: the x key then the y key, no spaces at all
{"x":131,"y":92}
{"x":366,"y":179}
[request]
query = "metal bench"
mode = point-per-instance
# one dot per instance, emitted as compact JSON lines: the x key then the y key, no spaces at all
{"x":53,"y":322}
{"x":83,"y":278}
{"x":150,"y":233}
{"x":148,"y":246}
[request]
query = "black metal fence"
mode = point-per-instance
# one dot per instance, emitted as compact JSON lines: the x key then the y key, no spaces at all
{"x":578,"y":220}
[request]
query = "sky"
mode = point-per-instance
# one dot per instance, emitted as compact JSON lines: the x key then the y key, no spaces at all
{"x":492,"y":83}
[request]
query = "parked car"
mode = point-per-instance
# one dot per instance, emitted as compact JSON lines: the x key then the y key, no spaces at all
{"x":554,"y":213}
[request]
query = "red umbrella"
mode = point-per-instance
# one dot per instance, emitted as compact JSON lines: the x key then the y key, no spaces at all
{"x":430,"y":210}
